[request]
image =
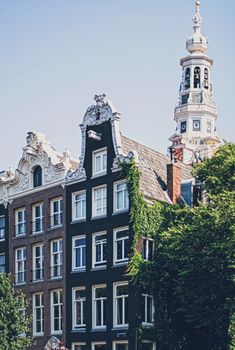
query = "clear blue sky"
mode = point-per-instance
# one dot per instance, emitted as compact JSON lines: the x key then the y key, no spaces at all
{"x":56,"y":54}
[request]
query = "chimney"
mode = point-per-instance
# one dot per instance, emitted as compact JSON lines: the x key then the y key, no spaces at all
{"x":173,"y":181}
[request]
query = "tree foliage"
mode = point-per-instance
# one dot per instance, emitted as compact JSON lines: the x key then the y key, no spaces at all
{"x":14,"y":325}
{"x":192,"y":274}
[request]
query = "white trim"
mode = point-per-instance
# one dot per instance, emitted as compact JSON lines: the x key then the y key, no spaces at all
{"x":117,"y":262}
{"x":150,"y":342}
{"x":60,"y":255}
{"x":59,"y":304}
{"x":124,"y":209}
{"x":98,"y":343}
{"x":17,"y":222}
{"x":146,"y":296}
{"x":59,"y":213}
{"x":74,"y":344}
{"x":102,"y":299}
{"x":103,"y":199}
{"x":74,"y":217}
{"x":74,"y":326}
{"x":103,"y":263}
{"x":23,"y":261}
{"x":74,"y":268}
{"x":34,"y":217}
{"x":41,"y":258}
{"x":119,"y":342}
{"x":115,"y":285}
{"x":99,"y":153}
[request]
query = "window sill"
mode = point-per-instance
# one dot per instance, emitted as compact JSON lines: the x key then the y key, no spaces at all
{"x":147,"y":325}
{"x":20,"y":284}
{"x":2,"y":239}
{"x":37,"y":335}
{"x":95,"y":268}
{"x":37,"y":233}
{"x":55,"y":278}
{"x":56,"y":333}
{"x":94,"y":176}
{"x":121,"y":211}
{"x":52,"y":228}
{"x":99,"y":217}
{"x":78,"y":270}
{"x":118,"y":328}
{"x":78,"y":330}
{"x":77,"y":221}
{"x":99,"y":329}
{"x":120,"y":264}
{"x":19,"y":236}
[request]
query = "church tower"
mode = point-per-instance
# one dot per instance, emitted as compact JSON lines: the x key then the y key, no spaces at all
{"x":196,"y":112}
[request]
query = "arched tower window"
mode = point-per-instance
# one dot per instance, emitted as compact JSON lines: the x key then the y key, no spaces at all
{"x":206,"y":78}
{"x":197,"y":77}
{"x":37,"y":176}
{"x":187,"y":79}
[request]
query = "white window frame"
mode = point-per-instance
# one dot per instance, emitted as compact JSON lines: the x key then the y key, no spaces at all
{"x":74,"y":309}
{"x":147,"y":239}
{"x":102,"y":152}
{"x":150,"y":342}
{"x":3,"y":229}
{"x":4,"y":263}
{"x":102,"y":263}
{"x":59,"y":254}
{"x":94,"y":301}
{"x":115,"y":197}
{"x":103,"y":200}
{"x":23,"y":222}
{"x":98,"y":343}
{"x":119,"y":342}
{"x":41,"y":306}
{"x":59,"y":304}
{"x":58,"y":213}
{"x":147,"y":296}
{"x":74,"y":268}
{"x":20,"y":265}
{"x":115,"y":285}
{"x":36,"y":219}
{"x":124,"y":260}
{"x":81,"y":202}
{"x":77,"y":344}
{"x":40,"y":258}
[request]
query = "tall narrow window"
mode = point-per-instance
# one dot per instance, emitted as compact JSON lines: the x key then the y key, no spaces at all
{"x":121,"y":246}
{"x":79,"y":206}
{"x":38,"y":314}
{"x":148,"y":248}
{"x":197,"y":77}
{"x":148,"y":345}
{"x":99,"y":306}
{"x":99,"y":249}
{"x":56,"y":212}
{"x":20,"y":265}
{"x":37,"y":226}
{"x":56,"y":258}
{"x":99,"y":162}
{"x":79,"y":302}
{"x":120,"y":345}
{"x":20,"y":222}
{"x":2,"y":227}
{"x":56,"y":311}
{"x":121,"y":304}
{"x":78,"y":346}
{"x":121,"y":198}
{"x":99,"y":201}
{"x":2,"y":263}
{"x":79,"y":253}
{"x":38,"y":262}
{"x":99,"y":346}
{"x":147,"y":309}
{"x":206,"y":78}
{"x":37,"y":176}
{"x":187,"y":79}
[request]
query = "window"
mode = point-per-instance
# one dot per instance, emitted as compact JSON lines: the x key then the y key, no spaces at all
{"x":196,"y":125}
{"x":78,"y":346}
{"x":56,"y":311}
{"x":79,"y":253}
{"x":56,"y":212}
{"x":20,"y":222}
{"x":121,"y":304}
{"x":2,"y":227}
{"x":79,"y":206}
{"x":99,"y":201}
{"x":206,"y":78}
{"x":121,"y":246}
{"x":37,"y":218}
{"x":183,"y":127}
{"x":38,"y":314}
{"x":99,"y":306}
{"x":56,"y":258}
{"x":79,"y":302}
{"x":20,"y":265}
{"x":187,"y":192}
{"x":148,"y":249}
{"x":147,"y":309}
{"x":2,"y":263}
{"x":99,"y":162}
{"x":147,"y":345}
{"x":187,"y":79}
{"x":37,"y":176}
{"x":208,"y":127}
{"x":99,"y":346}
{"x":38,"y":262}
{"x":197,"y":77}
{"x":120,"y":345}
{"x":121,"y":198}
{"x":99,"y":249}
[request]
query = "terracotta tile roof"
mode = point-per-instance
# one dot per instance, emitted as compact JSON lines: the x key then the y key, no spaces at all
{"x":152,"y":165}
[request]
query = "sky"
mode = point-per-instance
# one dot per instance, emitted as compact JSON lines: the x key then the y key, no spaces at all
{"x":55,"y":55}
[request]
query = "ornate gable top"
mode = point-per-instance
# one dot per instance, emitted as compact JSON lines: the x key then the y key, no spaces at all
{"x":101,"y":112}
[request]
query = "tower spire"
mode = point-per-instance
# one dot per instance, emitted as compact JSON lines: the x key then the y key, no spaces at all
{"x":197,"y":19}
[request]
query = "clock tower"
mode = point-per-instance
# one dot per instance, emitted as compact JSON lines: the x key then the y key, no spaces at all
{"x":196,"y":111}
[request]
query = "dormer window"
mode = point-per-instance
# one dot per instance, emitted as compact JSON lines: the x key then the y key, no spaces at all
{"x":37,"y":176}
{"x":197,"y":77}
